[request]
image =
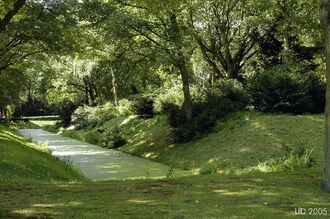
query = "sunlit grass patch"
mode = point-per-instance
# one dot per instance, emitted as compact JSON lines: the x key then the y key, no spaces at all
{"x":241,"y":140}
{"x":24,"y":162}
{"x":253,"y":195}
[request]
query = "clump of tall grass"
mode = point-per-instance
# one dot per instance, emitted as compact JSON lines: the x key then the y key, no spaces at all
{"x":293,"y":160}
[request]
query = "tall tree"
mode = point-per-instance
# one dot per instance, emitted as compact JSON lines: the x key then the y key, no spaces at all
{"x":325,"y":20}
{"x":11,"y":13}
{"x":226,"y":32}
{"x":163,"y":29}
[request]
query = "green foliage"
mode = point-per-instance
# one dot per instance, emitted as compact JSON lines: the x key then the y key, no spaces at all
{"x":112,"y":138}
{"x":85,"y":116}
{"x":144,"y":107}
{"x":92,"y":137}
{"x":168,"y":96}
{"x":213,"y":166}
{"x":297,"y":159}
{"x":124,"y":108}
{"x":22,"y":162}
{"x":209,"y":107}
{"x":231,"y":89}
{"x":286,"y":90}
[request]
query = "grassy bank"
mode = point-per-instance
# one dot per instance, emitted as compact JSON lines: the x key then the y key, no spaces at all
{"x":243,"y":140}
{"x":35,"y":185}
{"x":247,"y":196}
{"x":23,"y":162}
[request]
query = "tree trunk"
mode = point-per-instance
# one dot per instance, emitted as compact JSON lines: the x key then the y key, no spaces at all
{"x":325,"y":12}
{"x":114,"y":87}
{"x":187,"y":104}
{"x":181,"y":64}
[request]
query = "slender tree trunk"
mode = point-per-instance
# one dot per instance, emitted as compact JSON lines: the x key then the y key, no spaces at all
{"x":181,"y":64}
{"x":5,"y":112}
{"x":325,"y":16}
{"x":91,"y":95}
{"x":187,"y":104}
{"x":114,"y":87}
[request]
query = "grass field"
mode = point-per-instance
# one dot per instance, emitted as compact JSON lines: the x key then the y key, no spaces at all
{"x":23,"y":162}
{"x":247,"y":196}
{"x":243,"y":140}
{"x":35,"y":185}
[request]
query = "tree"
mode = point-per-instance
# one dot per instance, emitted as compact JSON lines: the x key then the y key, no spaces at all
{"x":325,"y":20}
{"x":160,"y":25}
{"x":11,"y":13}
{"x":41,"y":27}
{"x":226,"y":32}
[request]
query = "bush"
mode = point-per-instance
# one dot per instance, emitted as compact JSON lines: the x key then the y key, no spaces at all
{"x":213,"y":166}
{"x":124,"y":108}
{"x":294,"y":159}
{"x":90,"y":116}
{"x":286,"y":90}
{"x":172,"y":96}
{"x":84,"y":116}
{"x":205,"y":115}
{"x":144,"y":107}
{"x":112,"y":138}
{"x":231,"y":89}
{"x":104,"y":112}
{"x":118,"y":141}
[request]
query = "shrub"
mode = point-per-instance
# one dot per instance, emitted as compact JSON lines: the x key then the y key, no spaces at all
{"x":208,"y":107}
{"x":144,"y":107}
{"x":84,"y":116}
{"x":293,"y":160}
{"x":213,"y":166}
{"x":118,"y":141}
{"x":286,"y":90}
{"x":124,"y":108}
{"x":205,"y":116}
{"x":230,"y":89}
{"x":112,"y":138}
{"x":91,"y":116}
{"x":171,"y":96}
{"x":105,"y":112}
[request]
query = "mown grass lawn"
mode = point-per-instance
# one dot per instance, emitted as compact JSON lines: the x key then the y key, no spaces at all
{"x":246,"y":196}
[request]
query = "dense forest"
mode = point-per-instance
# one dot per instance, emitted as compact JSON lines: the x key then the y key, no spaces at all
{"x":60,"y":56}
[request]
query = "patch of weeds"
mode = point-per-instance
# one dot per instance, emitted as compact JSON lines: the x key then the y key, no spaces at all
{"x":213,"y":166}
{"x":29,"y":139}
{"x":170,"y":172}
{"x":295,"y":159}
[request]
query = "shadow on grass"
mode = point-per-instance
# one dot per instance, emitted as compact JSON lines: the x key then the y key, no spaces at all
{"x":253,"y":196}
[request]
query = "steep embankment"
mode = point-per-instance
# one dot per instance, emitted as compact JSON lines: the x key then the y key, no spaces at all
{"x":243,"y":140}
{"x":22,"y":161}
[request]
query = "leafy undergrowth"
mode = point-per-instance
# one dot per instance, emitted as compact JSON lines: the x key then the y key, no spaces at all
{"x":23,"y":162}
{"x":247,"y":140}
{"x":247,"y":196}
